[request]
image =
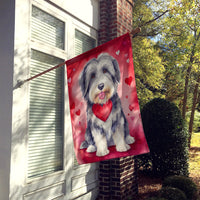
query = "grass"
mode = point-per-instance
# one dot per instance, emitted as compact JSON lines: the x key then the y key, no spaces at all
{"x":194,"y":158}
{"x":195,"y":141}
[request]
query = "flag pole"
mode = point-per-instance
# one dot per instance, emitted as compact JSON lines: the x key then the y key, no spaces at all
{"x":135,"y":31}
{"x":20,"y":83}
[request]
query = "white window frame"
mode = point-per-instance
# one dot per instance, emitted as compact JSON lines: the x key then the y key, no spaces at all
{"x":19,"y":155}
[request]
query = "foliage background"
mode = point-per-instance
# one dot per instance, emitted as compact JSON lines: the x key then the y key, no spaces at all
{"x":166,"y":54}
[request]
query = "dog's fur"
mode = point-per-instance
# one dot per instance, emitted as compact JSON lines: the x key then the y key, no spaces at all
{"x":103,"y":75}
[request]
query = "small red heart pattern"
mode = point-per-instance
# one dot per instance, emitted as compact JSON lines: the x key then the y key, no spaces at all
{"x":131,"y":107}
{"x":78,"y":112}
{"x":72,"y":106}
{"x":129,"y":80}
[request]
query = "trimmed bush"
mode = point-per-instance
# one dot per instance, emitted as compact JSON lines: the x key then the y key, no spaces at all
{"x":183,"y":183}
{"x":171,"y":193}
{"x":167,"y":138}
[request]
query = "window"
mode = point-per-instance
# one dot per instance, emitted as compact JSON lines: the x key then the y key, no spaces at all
{"x":46,"y":28}
{"x":45,"y":138}
{"x":46,"y":109}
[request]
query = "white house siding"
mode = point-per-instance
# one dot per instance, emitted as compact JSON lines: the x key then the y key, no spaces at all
{"x":86,"y":10}
{"x":73,"y":182}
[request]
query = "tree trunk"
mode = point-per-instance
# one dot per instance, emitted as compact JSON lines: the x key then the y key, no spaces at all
{"x":198,"y":99}
{"x":193,"y":109}
{"x":188,"y":73}
{"x":185,"y":91}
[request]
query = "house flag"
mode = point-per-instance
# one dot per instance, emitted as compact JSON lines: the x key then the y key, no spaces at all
{"x":104,"y":108}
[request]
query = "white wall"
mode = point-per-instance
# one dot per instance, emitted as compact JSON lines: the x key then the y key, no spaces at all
{"x":86,"y":10}
{"x":6,"y":76}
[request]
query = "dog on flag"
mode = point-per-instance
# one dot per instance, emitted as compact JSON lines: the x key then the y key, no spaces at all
{"x":106,"y":122}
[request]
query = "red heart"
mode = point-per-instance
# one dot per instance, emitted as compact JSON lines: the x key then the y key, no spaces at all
{"x":72,"y":106}
{"x":78,"y":112}
{"x":69,"y":71}
{"x":102,"y":111}
{"x":132,"y":118}
{"x":128,"y":80}
{"x":131,"y":107}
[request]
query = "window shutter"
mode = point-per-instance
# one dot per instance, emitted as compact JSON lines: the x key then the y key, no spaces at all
{"x":45,"y":141}
{"x":46,"y":28}
{"x":83,"y":43}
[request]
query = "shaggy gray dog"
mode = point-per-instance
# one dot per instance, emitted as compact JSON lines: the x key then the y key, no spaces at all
{"x":106,"y":122}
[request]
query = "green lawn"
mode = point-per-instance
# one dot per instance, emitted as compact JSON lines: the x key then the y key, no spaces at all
{"x":194,"y":160}
{"x":195,"y":142}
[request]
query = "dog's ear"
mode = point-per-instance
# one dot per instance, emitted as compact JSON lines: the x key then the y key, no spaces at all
{"x":82,"y":82}
{"x":116,"y":67}
{"x":84,"y":79}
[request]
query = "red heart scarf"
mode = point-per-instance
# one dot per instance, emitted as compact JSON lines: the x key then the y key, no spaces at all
{"x":102,"y":111}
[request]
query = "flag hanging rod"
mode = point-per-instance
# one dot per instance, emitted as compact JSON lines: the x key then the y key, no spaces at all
{"x":135,"y":31}
{"x":20,"y":83}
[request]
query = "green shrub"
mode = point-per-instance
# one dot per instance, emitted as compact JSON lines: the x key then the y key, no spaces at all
{"x":167,"y":138}
{"x":171,"y":193}
{"x":183,"y":183}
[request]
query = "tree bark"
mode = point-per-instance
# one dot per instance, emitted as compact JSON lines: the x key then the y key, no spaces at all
{"x":185,"y":91}
{"x":193,"y":109}
{"x":198,"y":99}
{"x":188,"y":73}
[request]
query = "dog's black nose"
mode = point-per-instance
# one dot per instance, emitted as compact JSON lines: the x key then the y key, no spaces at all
{"x":101,"y":86}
